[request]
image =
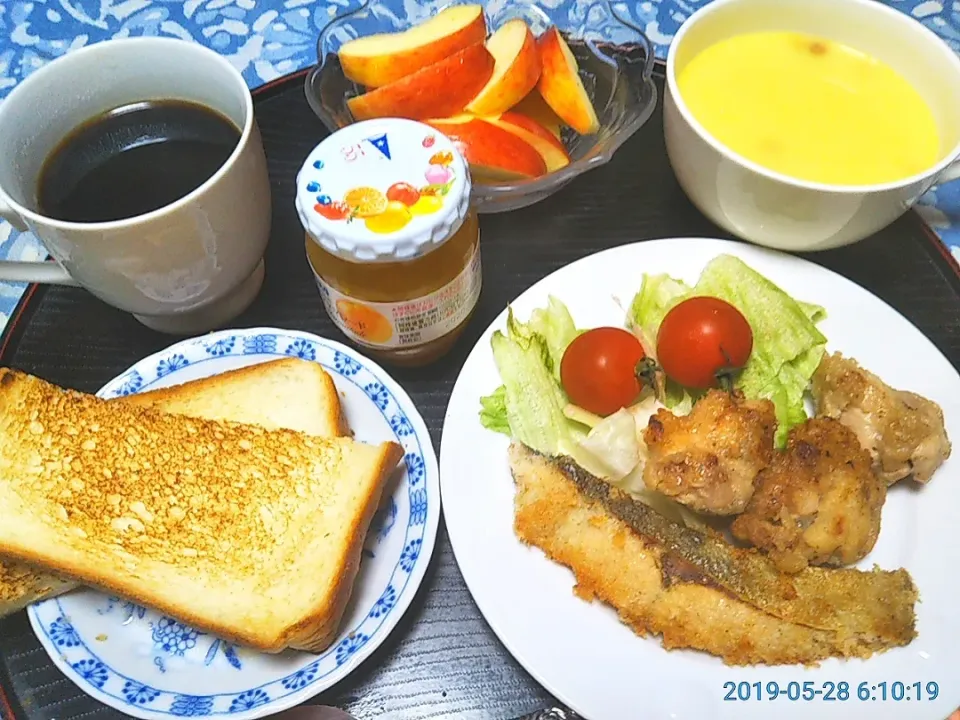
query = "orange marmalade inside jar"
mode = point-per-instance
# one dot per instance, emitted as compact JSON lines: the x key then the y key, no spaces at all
{"x":391,"y":240}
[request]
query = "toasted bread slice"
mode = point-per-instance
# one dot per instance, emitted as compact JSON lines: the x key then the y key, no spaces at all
{"x":251,"y":534}
{"x":287,"y":393}
{"x":22,"y":584}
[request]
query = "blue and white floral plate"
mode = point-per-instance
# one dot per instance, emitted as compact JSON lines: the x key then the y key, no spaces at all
{"x":150,"y":666}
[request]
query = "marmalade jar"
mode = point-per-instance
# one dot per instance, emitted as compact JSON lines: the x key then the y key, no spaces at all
{"x":390,"y":237}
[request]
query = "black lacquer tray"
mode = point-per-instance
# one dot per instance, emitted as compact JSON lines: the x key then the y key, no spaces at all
{"x":442,"y":661}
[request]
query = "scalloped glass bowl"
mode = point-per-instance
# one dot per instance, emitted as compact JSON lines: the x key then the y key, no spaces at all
{"x":615,"y":59}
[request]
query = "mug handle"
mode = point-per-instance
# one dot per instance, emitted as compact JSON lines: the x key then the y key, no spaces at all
{"x":48,"y":273}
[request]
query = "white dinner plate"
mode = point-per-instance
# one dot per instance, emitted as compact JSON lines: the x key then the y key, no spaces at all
{"x":151,"y":666}
{"x":578,"y":650}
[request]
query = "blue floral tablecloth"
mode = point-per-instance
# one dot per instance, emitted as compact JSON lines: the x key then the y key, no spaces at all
{"x":266,"y":39}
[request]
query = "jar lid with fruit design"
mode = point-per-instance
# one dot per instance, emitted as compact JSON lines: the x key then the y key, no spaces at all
{"x":383,"y":190}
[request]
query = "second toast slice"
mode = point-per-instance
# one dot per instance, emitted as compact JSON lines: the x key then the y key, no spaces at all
{"x":288,"y":393}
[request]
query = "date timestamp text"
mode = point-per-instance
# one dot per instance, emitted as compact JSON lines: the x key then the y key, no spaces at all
{"x":866,"y":691}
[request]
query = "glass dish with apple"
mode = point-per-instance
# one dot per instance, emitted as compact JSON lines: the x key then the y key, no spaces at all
{"x":532,"y":97}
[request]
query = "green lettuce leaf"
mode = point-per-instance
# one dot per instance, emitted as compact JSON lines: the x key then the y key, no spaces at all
{"x":658,"y":293}
{"x":493,"y":411}
{"x":529,"y":405}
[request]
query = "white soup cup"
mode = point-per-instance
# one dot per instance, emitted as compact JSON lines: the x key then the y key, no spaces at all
{"x":772,"y":209}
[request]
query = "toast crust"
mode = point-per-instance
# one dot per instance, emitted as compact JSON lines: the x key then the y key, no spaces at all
{"x":252,"y":535}
{"x":315,"y":634}
{"x":234,"y":396}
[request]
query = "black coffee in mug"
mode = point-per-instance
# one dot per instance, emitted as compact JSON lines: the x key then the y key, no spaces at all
{"x":133,"y":160}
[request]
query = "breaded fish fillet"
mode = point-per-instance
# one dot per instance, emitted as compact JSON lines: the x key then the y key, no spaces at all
{"x":697,"y":591}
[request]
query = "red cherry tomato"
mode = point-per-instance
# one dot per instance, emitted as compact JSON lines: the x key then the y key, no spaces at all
{"x":600,"y":370}
{"x":701,"y":339}
{"x":403,"y":192}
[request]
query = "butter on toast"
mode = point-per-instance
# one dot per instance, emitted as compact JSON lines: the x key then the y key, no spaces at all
{"x":250,"y":534}
{"x":287,"y":393}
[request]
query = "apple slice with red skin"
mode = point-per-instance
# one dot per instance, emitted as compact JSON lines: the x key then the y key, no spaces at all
{"x":536,"y":108}
{"x":438,"y":90}
{"x":377,"y":60}
{"x":517,"y":69}
{"x":552,"y":151}
{"x":560,"y":84}
{"x":494,"y":154}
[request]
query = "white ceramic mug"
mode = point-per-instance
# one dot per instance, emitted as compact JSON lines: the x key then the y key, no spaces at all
{"x":187,"y":267}
{"x":772,"y":209}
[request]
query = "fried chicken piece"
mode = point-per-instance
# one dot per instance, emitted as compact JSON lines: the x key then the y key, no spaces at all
{"x":818,"y":502}
{"x":903,"y":431}
{"x":708,"y":459}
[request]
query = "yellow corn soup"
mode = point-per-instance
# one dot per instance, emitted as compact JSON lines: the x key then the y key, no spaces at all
{"x":810,"y":108}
